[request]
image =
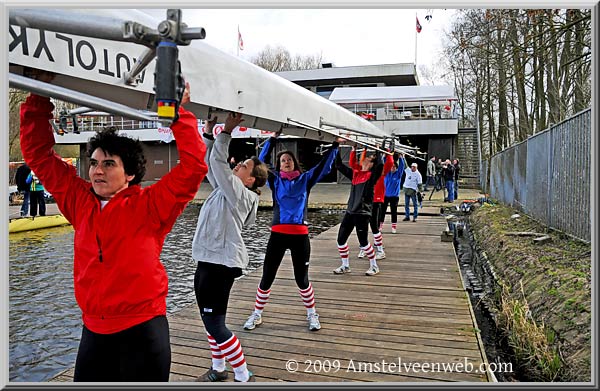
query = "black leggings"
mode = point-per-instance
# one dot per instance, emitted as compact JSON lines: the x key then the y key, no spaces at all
{"x":141,"y":353}
{"x":212,"y":285}
{"x":376,"y":217}
{"x":299,"y":246}
{"x":349,"y":222}
{"x":37,"y":198}
{"x":393,"y":202}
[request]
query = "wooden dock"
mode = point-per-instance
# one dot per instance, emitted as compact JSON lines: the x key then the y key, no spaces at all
{"x":414,"y":314}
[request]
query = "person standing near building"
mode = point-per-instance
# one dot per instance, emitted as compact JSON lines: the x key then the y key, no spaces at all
{"x":430,"y":173}
{"x":360,"y":206}
{"x":448,"y":175}
{"x":413,"y":183}
{"x":219,"y":248}
{"x":392,"y":190}
{"x":439,"y":183}
{"x":36,"y":195}
{"x":120,"y":284}
{"x":290,"y":188}
{"x":456,"y":165}
{"x":23,"y":187}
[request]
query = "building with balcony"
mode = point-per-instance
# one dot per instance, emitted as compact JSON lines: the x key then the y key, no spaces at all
{"x":390,"y":96}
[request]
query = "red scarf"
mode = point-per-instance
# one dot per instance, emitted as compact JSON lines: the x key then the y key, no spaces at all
{"x":291,"y":175}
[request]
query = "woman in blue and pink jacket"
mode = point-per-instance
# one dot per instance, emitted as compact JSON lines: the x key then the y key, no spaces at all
{"x":290,"y":187}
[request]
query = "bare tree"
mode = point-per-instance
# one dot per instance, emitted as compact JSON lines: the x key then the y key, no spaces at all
{"x":16,"y":97}
{"x":277,"y":59}
{"x":532,"y":63}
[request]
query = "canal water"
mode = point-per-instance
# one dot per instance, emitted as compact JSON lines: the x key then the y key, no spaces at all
{"x":44,"y":319}
{"x":480,"y":283}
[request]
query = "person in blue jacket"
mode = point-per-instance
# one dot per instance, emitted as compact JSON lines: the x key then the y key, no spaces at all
{"x":392,"y":190}
{"x":290,"y":187}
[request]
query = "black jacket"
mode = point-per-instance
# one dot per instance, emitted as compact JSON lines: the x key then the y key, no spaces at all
{"x":21,"y":177}
{"x":363,"y":186}
{"x":448,"y":173}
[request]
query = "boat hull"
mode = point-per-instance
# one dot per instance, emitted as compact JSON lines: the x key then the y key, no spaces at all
{"x":39,"y":222}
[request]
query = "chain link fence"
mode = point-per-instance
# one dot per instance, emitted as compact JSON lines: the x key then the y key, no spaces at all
{"x":548,"y":176}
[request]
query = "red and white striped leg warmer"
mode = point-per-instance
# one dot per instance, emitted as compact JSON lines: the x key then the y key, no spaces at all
{"x":394,"y":225}
{"x":344,"y":253}
{"x":218,"y":359}
{"x":378,"y":239}
{"x":261,"y":300}
{"x":368,"y":249}
{"x":308,"y":297}
{"x":232,"y":350}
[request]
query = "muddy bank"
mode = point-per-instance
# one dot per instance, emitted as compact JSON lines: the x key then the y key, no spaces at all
{"x":543,"y":294}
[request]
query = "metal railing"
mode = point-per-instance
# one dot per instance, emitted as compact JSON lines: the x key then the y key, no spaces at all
{"x":390,"y":112}
{"x":548,"y":176}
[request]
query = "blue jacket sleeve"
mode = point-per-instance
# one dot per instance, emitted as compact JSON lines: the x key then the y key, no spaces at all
{"x":317,"y":173}
{"x":400,"y":169}
{"x":265,"y":154}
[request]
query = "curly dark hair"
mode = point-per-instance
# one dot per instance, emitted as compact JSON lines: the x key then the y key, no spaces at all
{"x":278,"y":162}
{"x":129,"y":150}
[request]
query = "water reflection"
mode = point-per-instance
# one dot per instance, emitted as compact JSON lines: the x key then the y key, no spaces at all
{"x":44,"y":319}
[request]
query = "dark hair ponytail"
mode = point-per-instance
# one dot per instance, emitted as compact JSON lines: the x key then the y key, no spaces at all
{"x":260,"y":173}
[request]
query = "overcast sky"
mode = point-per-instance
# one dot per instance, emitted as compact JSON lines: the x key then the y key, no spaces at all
{"x":345,"y":37}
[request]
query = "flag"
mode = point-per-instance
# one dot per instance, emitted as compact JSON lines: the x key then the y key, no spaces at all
{"x":240,"y":40}
{"x":418,"y":25}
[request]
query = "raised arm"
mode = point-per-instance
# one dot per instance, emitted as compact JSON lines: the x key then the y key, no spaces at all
{"x":232,"y":186}
{"x":341,"y":167}
{"x":37,"y":142}
{"x":389,"y":163}
{"x":209,"y":140}
{"x":173,"y":191}
{"x":265,"y":157}
{"x":352,"y":161}
{"x":377,"y":169}
{"x":400,"y":170}
{"x":265,"y":153}
{"x":317,"y":173}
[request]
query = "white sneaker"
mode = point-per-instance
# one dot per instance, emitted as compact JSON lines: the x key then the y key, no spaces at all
{"x":393,"y":230}
{"x":361,"y":254}
{"x":380,"y":255}
{"x":253,"y":321}
{"x":342,"y":270}
{"x":313,"y":322}
{"x":372,"y":271}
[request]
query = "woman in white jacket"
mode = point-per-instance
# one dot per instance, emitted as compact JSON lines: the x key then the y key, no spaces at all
{"x":219,"y":248}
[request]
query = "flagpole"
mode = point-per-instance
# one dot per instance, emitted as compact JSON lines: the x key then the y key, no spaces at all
{"x":237,"y":44}
{"x":416,"y":42}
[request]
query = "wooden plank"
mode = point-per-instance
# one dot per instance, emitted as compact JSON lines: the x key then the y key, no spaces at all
{"x":349,"y":339}
{"x":236,"y":319}
{"x":416,"y":310}
{"x":273,"y":362}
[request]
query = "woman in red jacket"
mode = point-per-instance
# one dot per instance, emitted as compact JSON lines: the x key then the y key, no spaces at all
{"x":120,"y":283}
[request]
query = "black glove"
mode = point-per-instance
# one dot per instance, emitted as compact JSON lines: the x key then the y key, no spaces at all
{"x":180,"y":90}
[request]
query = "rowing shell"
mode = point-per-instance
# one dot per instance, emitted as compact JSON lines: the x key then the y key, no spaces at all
{"x":61,"y":41}
{"x":31,"y":223}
